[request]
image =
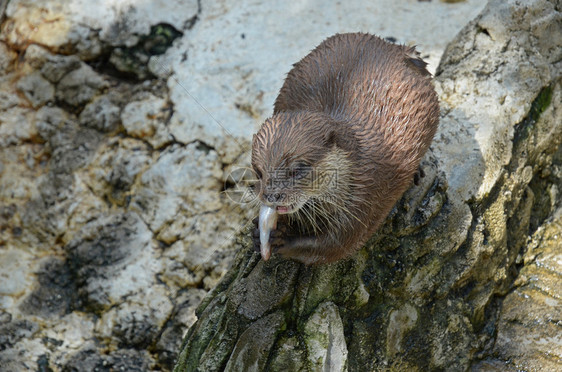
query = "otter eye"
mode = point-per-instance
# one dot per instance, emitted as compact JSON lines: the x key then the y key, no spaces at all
{"x":299,"y":170}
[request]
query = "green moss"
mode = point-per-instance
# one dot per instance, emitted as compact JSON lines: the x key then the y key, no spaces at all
{"x":132,"y":62}
{"x":541,"y":103}
{"x":289,"y":355}
{"x":538,"y":106}
{"x":198,"y":339}
{"x":160,"y":39}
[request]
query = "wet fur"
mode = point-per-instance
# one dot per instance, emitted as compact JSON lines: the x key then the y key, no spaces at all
{"x":362,"y":106}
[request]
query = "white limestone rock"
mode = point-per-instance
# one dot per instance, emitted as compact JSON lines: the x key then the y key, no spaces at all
{"x":183,"y":266}
{"x":101,"y":114}
{"x":18,"y":181}
{"x":325,"y":340}
{"x":15,"y":275}
{"x":49,"y":120}
{"x":399,"y":323}
{"x":71,"y":330}
{"x":182,"y":181}
{"x":8,"y":97}
{"x":56,"y":66}
{"x":476,"y":150}
{"x":36,"y":89}
{"x":116,"y":167}
{"x":81,"y":27}
{"x":137,"y":321}
{"x":79,"y":86}
{"x":114,"y":258}
{"x":16,"y":126}
{"x":183,"y":317}
{"x":146,"y":119}
{"x":7,"y":57}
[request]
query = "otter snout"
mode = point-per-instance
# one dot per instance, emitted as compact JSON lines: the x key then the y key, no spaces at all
{"x":274,"y":197}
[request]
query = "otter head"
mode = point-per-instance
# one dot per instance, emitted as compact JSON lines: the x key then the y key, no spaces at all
{"x":296,"y":157}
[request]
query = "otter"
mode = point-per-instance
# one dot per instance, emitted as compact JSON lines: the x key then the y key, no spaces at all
{"x":349,"y":128}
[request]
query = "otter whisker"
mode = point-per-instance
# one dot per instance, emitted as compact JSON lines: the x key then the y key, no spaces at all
{"x":362,"y":136}
{"x":347,"y":211}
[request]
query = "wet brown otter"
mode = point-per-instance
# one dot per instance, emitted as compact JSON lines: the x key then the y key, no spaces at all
{"x":349,"y":128}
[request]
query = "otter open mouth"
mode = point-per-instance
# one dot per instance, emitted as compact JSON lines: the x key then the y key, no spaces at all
{"x":291,"y":208}
{"x":284,"y":209}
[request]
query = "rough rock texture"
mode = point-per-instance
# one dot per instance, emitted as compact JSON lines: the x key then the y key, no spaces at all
{"x":113,"y":162}
{"x":465,"y":274}
{"x":90,"y":277}
{"x":528,"y":329}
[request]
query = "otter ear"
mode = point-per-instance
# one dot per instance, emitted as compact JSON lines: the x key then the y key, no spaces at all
{"x":344,"y":141}
{"x":334,"y":138}
{"x":331,"y":138}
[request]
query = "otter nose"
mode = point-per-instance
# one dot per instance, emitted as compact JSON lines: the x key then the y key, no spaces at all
{"x":273,"y":197}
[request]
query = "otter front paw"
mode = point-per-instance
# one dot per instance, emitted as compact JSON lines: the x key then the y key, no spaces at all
{"x":256,"y":235}
{"x":276,"y":237}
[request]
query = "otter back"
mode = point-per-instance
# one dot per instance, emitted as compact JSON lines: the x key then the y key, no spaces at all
{"x":356,"y":106}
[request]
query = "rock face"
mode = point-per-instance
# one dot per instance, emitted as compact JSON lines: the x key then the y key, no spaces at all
{"x":467,"y":264}
{"x":96,"y":197}
{"x":114,"y":224}
{"x":528,"y":327}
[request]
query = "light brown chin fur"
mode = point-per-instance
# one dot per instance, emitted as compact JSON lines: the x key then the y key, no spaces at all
{"x":361,"y":110}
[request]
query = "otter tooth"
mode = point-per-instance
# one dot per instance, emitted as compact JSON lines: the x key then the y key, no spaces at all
{"x":267,"y":222}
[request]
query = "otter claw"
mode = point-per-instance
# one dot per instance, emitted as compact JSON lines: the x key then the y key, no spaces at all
{"x":256,"y":240}
{"x":277,"y":243}
{"x":275,"y":234}
{"x":256,"y":235}
{"x":276,"y":237}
